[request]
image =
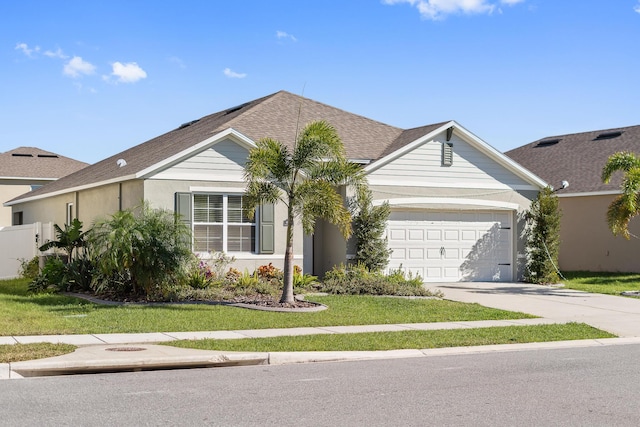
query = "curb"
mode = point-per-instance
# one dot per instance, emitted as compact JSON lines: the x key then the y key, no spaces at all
{"x":95,"y":359}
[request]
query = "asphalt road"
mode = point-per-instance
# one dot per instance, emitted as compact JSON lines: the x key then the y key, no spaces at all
{"x":568,"y":387}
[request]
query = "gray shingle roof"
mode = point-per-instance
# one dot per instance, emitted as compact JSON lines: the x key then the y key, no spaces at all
{"x":577,"y":158}
{"x":276,"y":116}
{"x":34,"y":163}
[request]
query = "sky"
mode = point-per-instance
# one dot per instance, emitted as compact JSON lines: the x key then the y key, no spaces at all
{"x":88,"y":79}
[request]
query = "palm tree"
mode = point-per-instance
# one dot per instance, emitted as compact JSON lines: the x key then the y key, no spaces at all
{"x":305,"y":180}
{"x":627,"y":205}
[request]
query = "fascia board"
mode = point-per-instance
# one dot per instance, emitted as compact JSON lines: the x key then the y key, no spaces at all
{"x":26,"y":178}
{"x":209,"y":142}
{"x":70,"y":190}
{"x":591,"y":193}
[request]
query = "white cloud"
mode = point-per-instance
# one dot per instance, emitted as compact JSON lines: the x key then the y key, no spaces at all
{"x":127,"y":73}
{"x":78,"y":66}
{"x":438,"y":9}
{"x":637,"y":8}
{"x":26,"y":49}
{"x":233,"y":75}
{"x":284,"y":35}
{"x":55,"y":54}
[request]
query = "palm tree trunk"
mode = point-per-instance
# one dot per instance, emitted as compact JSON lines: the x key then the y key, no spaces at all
{"x":287,"y":289}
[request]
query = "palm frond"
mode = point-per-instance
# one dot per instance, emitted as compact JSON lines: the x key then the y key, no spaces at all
{"x":622,"y":161}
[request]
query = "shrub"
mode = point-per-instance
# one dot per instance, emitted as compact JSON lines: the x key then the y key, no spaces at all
{"x":369,"y":225}
{"x":543,"y":238}
{"x":52,"y":278}
{"x":29,"y":269}
{"x":358,"y":280}
{"x":140,"y":253}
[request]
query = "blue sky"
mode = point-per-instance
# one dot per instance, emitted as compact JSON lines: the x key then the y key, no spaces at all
{"x":87,"y":79}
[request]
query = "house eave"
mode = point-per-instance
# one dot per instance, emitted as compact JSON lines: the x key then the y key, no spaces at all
{"x":590,"y":193}
{"x":69,"y":190}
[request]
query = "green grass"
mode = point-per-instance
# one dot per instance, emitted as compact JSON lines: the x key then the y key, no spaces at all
{"x":18,"y":352}
{"x":22,"y":314}
{"x":404,"y":340}
{"x":602,"y":283}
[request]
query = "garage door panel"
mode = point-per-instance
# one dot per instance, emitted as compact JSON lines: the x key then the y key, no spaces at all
{"x":452,"y":246}
{"x":416,"y":234}
{"x":451,"y":234}
{"x":416,"y":254}
{"x":397,"y":234}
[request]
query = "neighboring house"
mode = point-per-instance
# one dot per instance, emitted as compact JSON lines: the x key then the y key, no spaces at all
{"x":586,"y":241}
{"x":455,"y":200}
{"x":27,"y":168}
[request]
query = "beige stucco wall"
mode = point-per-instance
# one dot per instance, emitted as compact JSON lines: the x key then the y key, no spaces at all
{"x":8,"y":192}
{"x":89,"y":205}
{"x":52,"y":209}
{"x":587,"y":244}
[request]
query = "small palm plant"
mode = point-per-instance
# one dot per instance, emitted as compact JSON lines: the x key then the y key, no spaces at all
{"x":70,"y":239}
{"x":627,"y":205}
{"x":305,"y":180}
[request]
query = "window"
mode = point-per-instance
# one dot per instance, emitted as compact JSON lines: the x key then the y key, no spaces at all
{"x":219,"y":224}
{"x":17,"y":218}
{"x":70,"y":214}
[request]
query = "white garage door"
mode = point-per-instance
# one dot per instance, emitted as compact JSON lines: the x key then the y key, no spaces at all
{"x":452,"y":246}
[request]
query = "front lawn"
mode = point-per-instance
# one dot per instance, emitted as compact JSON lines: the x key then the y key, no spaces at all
{"x":602,"y":283}
{"x":404,"y":340}
{"x":43,"y":314}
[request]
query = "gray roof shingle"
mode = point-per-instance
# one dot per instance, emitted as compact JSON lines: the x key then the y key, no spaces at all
{"x":577,"y":158}
{"x":34,"y":163}
{"x":277,"y":116}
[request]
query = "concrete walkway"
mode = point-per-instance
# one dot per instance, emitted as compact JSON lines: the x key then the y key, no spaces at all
{"x":615,"y":314}
{"x":117,"y":352}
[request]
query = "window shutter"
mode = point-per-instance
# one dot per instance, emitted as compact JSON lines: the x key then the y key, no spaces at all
{"x":267,"y":228}
{"x":447,"y":154}
{"x":183,"y":207}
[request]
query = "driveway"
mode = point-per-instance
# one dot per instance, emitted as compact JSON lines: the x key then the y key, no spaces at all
{"x":615,"y":314}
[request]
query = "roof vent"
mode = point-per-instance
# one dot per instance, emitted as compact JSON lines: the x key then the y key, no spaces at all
{"x":48,"y":156}
{"x":236,"y":108}
{"x":21,"y":155}
{"x":185,"y":125}
{"x":608,"y":135}
{"x":548,"y":142}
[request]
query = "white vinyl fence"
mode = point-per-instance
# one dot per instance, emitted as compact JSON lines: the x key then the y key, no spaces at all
{"x":21,"y":242}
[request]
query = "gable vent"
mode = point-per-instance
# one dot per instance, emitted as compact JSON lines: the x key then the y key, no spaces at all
{"x":548,"y":142}
{"x":21,"y":155}
{"x":447,"y":154}
{"x":608,"y":135}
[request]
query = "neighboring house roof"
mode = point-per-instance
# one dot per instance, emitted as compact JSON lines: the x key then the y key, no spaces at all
{"x":578,"y":158}
{"x":33,"y":163}
{"x":279,"y":116}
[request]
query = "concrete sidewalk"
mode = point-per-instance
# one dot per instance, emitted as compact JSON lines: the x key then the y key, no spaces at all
{"x":118,"y":352}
